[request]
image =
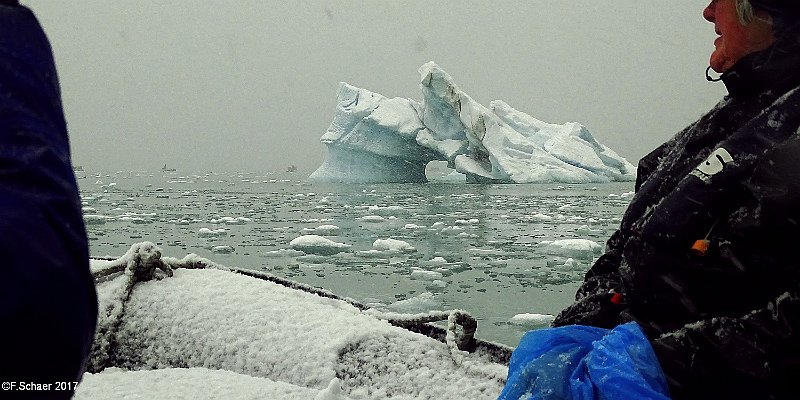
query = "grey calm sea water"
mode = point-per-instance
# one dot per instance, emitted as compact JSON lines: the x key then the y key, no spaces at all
{"x":476,"y":247}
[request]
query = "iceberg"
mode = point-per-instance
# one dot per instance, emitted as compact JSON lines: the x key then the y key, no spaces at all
{"x":375,"y":139}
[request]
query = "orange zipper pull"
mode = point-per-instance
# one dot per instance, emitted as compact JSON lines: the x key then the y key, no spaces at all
{"x":700,"y":247}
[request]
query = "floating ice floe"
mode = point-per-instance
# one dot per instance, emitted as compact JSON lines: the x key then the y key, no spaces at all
{"x":421,"y":303}
{"x":425,"y":275}
{"x":413,"y":226}
{"x":319,"y":245}
{"x":222,"y":249}
{"x":578,"y":248}
{"x":323,"y":230}
{"x":211,"y":233}
{"x":371,"y":218}
{"x":570,"y":263}
{"x":436,"y":284}
{"x":452,"y":230}
{"x":283,"y":253}
{"x":134,"y":220}
{"x":393,"y":245}
{"x":437,"y":261}
{"x":530,"y":320}
{"x":539,"y":217}
{"x":584,"y":229}
{"x":232,"y":220}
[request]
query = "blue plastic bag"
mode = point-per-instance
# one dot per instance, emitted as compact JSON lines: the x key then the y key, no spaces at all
{"x":586,"y":363}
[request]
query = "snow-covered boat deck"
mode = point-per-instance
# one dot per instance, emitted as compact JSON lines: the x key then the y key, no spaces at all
{"x":212,"y":333}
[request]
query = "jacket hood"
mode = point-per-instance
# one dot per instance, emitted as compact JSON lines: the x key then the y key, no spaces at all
{"x":785,"y":15}
{"x":791,"y":7}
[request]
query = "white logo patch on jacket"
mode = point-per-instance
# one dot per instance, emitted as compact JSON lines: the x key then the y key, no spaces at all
{"x":713,"y":164}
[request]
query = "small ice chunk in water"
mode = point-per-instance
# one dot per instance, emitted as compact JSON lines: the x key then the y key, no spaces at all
{"x":315,"y":244}
{"x":532,"y":319}
{"x":413,"y":226}
{"x":283,"y":253}
{"x":222,"y":249}
{"x":584,"y":229}
{"x":393,"y":245}
{"x":323,"y":230}
{"x":206,"y":232}
{"x":421,"y":274}
{"x":422,"y":303}
{"x":539,"y":217}
{"x":452,"y":230}
{"x":437,"y":261}
{"x":232,"y":221}
{"x":578,"y":248}
{"x":371,"y":218}
{"x":570,"y":263}
{"x":436,"y":284}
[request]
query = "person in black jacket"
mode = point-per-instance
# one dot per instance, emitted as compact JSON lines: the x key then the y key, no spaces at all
{"x":48,"y":304}
{"x":706,"y":257}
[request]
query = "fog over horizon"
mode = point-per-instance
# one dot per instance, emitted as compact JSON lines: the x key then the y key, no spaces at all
{"x":251,"y":85}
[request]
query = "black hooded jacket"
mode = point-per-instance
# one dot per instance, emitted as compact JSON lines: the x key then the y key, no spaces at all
{"x":724,"y":322}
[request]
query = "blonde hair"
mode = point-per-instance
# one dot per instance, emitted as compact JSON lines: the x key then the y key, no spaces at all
{"x":745,"y":11}
{"x":747,"y":14}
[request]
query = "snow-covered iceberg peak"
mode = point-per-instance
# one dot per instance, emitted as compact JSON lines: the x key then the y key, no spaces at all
{"x":375,"y":139}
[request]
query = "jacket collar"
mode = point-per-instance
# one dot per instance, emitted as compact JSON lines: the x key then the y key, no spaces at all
{"x":777,"y":67}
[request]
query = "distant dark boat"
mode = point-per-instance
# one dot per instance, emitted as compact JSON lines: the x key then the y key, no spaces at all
{"x":291,"y":168}
{"x":165,"y":169}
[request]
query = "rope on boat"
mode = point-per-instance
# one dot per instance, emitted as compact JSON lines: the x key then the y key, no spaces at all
{"x":143,"y":262}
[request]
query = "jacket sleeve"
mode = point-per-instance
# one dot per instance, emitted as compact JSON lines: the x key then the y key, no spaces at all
{"x":593,"y":301}
{"x":593,"y":305}
{"x":730,"y":357}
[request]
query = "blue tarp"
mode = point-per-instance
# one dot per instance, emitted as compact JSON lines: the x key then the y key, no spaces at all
{"x":586,"y":363}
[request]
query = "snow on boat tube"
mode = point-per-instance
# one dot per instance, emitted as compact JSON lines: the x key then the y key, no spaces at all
{"x":183,"y":322}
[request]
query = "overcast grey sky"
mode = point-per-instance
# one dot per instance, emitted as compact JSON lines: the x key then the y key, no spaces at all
{"x":251,"y":85}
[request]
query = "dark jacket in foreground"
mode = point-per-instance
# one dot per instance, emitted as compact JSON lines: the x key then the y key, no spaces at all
{"x":724,"y":324}
{"x":48,"y":306}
